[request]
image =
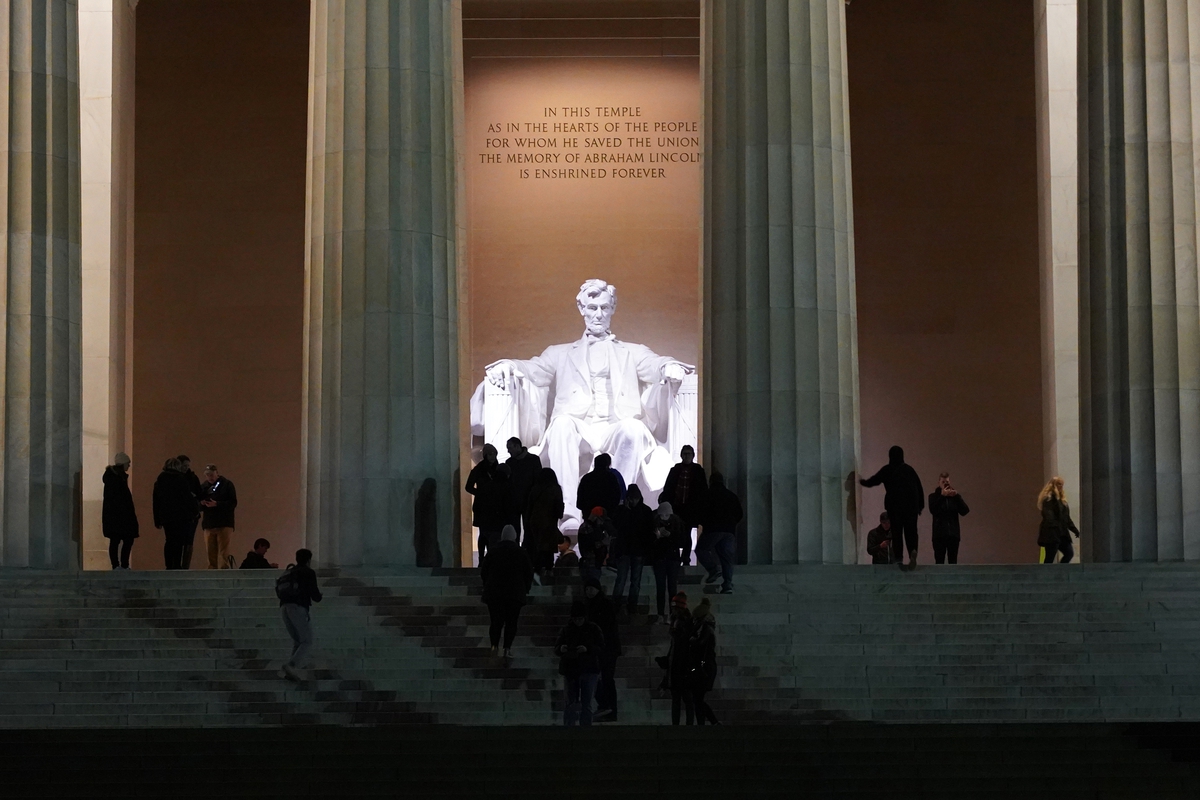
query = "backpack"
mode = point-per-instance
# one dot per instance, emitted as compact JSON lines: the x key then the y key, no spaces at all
{"x":288,"y":588}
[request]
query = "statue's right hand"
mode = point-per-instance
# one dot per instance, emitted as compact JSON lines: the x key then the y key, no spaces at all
{"x":501,"y":373}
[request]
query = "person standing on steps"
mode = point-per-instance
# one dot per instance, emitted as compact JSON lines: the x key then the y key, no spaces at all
{"x":1054,"y":534}
{"x":175,"y":512}
{"x":601,"y":611}
{"x":578,"y":648}
{"x":670,"y":537}
{"x":118,"y":519}
{"x":946,"y":505}
{"x":297,"y":590}
{"x":686,"y":489}
{"x":219,"y":499}
{"x":678,"y":660}
{"x":904,"y":501}
{"x":702,"y":650}
{"x":257,"y":558}
{"x":634,"y":522}
{"x":717,"y":546}
{"x":543,"y":511}
{"x":488,"y":484}
{"x":600,"y":487}
{"x":507,"y":576}
{"x":595,"y":537}
{"x":193,"y":484}
{"x":523,"y":471}
{"x":879,"y":541}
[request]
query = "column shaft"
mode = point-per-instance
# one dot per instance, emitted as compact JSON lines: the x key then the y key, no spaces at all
{"x":782,"y":351}
{"x":381,"y":360}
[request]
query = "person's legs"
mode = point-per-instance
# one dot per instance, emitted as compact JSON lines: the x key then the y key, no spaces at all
{"x":1051,"y":551}
{"x":897,"y":540}
{"x":676,"y":702}
{"x":689,"y":709}
{"x":300,"y":626}
{"x":704,"y":712}
{"x":587,"y":690}
{"x":571,"y":688}
{"x":660,"y":586}
{"x":210,"y":541}
{"x":705,"y":554}
{"x":173,"y":549}
{"x":726,"y":554}
{"x":910,"y":538}
{"x":224,"y":535}
{"x":189,"y":540}
{"x":1067,"y":548}
{"x":113,"y":544}
{"x":939,"y":551}
{"x":496,"y":623}
{"x":126,"y":549}
{"x":511,"y":616}
{"x":952,"y":551}
{"x":635,"y":582}
{"x":606,"y":692}
{"x":618,"y":592}
{"x":672,"y":577}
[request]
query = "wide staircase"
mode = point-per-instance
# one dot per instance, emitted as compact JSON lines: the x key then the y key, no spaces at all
{"x":1093,"y":643}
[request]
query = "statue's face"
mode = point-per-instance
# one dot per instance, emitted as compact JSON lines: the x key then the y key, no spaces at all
{"x":597,"y":313}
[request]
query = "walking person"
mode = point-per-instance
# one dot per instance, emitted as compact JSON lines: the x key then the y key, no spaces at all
{"x":543,"y":512}
{"x":578,"y":648}
{"x":670,"y":537}
{"x":175,"y":512}
{"x":904,"y":501}
{"x":686,"y":489}
{"x":946,"y":506}
{"x":523,"y":470}
{"x":703,"y":654}
{"x":488,"y":484}
{"x":219,"y":499}
{"x":600,"y":610}
{"x":1054,"y":534}
{"x":634,"y":522}
{"x":879,"y":541}
{"x":717,"y":546}
{"x":678,"y":660}
{"x":193,"y":484}
{"x":297,"y":590}
{"x":507,"y":576}
{"x":118,"y":519}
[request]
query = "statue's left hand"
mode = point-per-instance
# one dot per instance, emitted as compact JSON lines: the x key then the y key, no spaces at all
{"x":676,"y":371}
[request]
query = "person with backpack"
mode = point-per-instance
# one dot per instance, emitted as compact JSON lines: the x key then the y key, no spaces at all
{"x":702,"y":651}
{"x":507,"y":576}
{"x":297,"y":590}
{"x":578,"y":648}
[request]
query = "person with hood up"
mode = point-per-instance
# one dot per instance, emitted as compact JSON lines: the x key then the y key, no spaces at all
{"x":717,"y":545}
{"x":904,"y":501}
{"x":175,"y":512}
{"x":1054,"y":534}
{"x":488,"y":484}
{"x":702,"y":650}
{"x":507,"y":576}
{"x":543,"y":511}
{"x":670,"y":536}
{"x":578,"y":648}
{"x":600,"y":610}
{"x":118,"y":519}
{"x":634,"y":522}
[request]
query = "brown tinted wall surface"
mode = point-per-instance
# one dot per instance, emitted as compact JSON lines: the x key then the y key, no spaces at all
{"x":219,"y":266}
{"x":943,"y":127}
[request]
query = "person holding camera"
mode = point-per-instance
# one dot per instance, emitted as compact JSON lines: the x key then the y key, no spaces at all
{"x":946,"y":506}
{"x":670,"y":537}
{"x":879,"y":541}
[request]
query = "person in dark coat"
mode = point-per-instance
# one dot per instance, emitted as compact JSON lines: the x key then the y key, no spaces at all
{"x":567,"y":562}
{"x":488,"y":484}
{"x":678,"y":661}
{"x":595,"y":537}
{"x":598,"y":488}
{"x":175,"y":512}
{"x":879,"y":541}
{"x":578,"y":648}
{"x":118,"y":519}
{"x":600,"y":610}
{"x":1054,"y":534}
{"x":670,"y":537}
{"x":946,"y":505}
{"x":634,"y":521}
{"x":686,"y":489}
{"x":904,"y":501}
{"x":717,"y":545}
{"x":295,"y":608}
{"x":193,"y":483}
{"x":257,"y":558}
{"x":702,"y":651}
{"x":543,"y":512}
{"x":218,"y":497}
{"x":523,"y":470}
{"x":507,"y":576}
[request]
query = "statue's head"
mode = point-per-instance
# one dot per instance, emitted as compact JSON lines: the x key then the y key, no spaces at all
{"x":597,"y":301}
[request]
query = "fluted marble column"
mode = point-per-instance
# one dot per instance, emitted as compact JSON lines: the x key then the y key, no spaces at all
{"x":381,"y":354}
{"x":781,"y":341}
{"x":1140,"y":328}
{"x":39,"y":126}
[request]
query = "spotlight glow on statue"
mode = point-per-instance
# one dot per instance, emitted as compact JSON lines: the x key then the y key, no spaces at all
{"x":602,"y":395}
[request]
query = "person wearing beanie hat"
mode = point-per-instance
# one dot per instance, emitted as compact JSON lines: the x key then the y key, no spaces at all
{"x":507,"y":575}
{"x":579,"y":647}
{"x":879,"y":541}
{"x":702,"y":653}
{"x":600,"y":610}
{"x":118,"y":519}
{"x":670,"y":537}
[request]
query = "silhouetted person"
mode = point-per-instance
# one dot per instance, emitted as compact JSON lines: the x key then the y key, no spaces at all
{"x":946,"y":505}
{"x":193,"y":483}
{"x":507,"y":576}
{"x":678,"y":661}
{"x":702,"y":651}
{"x":297,"y":590}
{"x":595,"y":536}
{"x":523,"y":470}
{"x":879,"y":541}
{"x":904,"y":502}
{"x":717,"y":545}
{"x":118,"y":520}
{"x":599,"y":488}
{"x":568,"y":561}
{"x":600,"y":610}
{"x":257,"y":558}
{"x":543,"y":511}
{"x":634,"y":521}
{"x":578,"y":648}
{"x":219,"y":499}
{"x":175,"y":512}
{"x":670,"y":537}
{"x":488,"y":484}
{"x":686,"y":489}
{"x":1054,"y":534}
